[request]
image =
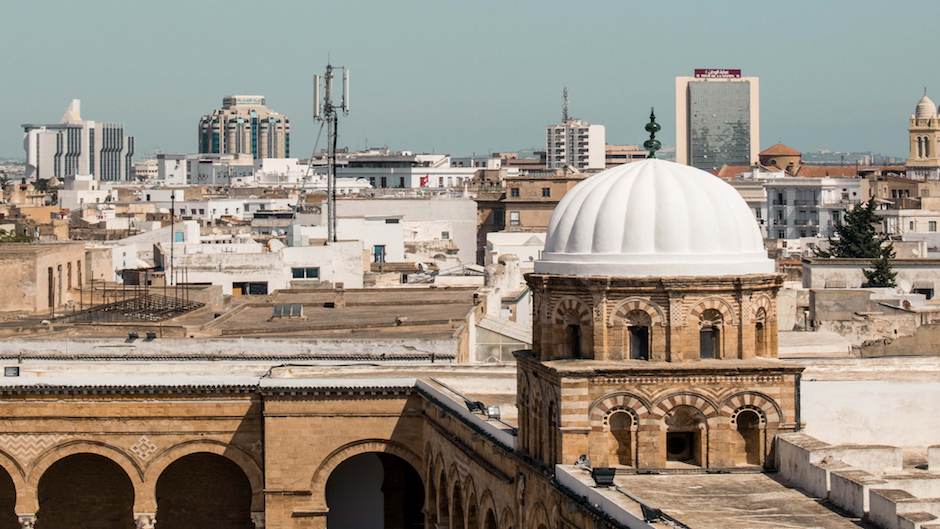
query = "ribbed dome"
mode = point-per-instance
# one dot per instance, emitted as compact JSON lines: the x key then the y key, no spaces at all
{"x":653,"y":218}
{"x":925,"y":108}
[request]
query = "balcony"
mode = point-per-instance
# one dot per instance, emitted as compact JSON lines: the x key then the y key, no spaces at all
{"x":780,"y":222}
{"x":805,"y":203}
{"x":780,"y":202}
{"x":805,"y":222}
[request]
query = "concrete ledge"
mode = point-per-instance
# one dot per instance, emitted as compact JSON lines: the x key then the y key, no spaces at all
{"x":896,"y":509}
{"x":849,"y":490}
{"x":933,"y":457}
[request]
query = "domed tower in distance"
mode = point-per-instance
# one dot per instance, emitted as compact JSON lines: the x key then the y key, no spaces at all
{"x":655,"y":328}
{"x":924,"y":131}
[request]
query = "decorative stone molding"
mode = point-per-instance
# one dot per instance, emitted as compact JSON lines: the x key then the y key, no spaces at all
{"x":145,"y":520}
{"x":27,"y":521}
{"x":27,"y":446}
{"x":257,"y":518}
{"x":143,"y":448}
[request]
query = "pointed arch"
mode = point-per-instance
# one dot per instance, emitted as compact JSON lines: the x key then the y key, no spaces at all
{"x":769,"y":408}
{"x":624,"y":307}
{"x":602,"y":407}
{"x":700,"y":402}
{"x":722,"y":306}
{"x":571,"y":310}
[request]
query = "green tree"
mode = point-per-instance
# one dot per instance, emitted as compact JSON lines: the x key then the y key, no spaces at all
{"x":856,"y":239}
{"x":12,"y":236}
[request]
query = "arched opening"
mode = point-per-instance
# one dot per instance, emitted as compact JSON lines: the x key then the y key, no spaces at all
{"x":710,"y":323}
{"x":522,"y":404}
{"x":456,"y":517}
{"x":443,"y":508}
{"x":748,"y":428}
{"x":473,"y":518}
{"x":638,"y":327}
{"x":685,"y":437}
{"x":87,"y":491}
{"x":375,"y":491}
{"x":760,"y":334}
{"x":620,"y":444}
{"x":537,"y":427}
{"x":8,"y":519}
{"x":926,"y":147}
{"x":552,"y":433}
{"x":573,"y":340}
{"x":489,"y":521}
{"x":920,"y":147}
{"x":204,"y":490}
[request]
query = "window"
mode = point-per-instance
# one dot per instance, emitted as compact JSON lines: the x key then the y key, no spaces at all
{"x":202,"y":211}
{"x":499,"y":218}
{"x":445,"y":235}
{"x":756,"y":213}
{"x":148,"y":198}
{"x":514,"y":192}
{"x":378,"y":253}
{"x":440,"y":181}
{"x":780,"y":234}
{"x":305,"y":273}
{"x":546,"y":192}
{"x":932,"y":226}
{"x":391,"y":221}
{"x":178,"y":237}
{"x":911,"y":225}
{"x":514,"y":218}
{"x":384,"y":181}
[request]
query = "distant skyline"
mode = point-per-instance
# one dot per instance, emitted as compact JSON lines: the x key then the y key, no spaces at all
{"x":458,"y":78}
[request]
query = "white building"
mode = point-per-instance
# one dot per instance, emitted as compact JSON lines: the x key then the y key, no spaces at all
{"x":79,"y":190}
{"x":576,"y":144}
{"x":526,"y":246}
{"x":810,"y":207}
{"x":75,"y":146}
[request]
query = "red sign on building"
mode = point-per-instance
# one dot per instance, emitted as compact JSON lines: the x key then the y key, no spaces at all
{"x":717,"y":74}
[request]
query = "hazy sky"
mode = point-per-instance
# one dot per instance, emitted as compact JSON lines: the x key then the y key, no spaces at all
{"x":467,"y":76}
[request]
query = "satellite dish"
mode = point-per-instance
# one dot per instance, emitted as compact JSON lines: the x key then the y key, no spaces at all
{"x":905,"y":285}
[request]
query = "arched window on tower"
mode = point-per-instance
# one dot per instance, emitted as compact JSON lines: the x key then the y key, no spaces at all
{"x":573,"y":336}
{"x":710,"y":323}
{"x":638,"y":324}
{"x":926,"y":147}
{"x":760,"y":332}
{"x":920,"y":147}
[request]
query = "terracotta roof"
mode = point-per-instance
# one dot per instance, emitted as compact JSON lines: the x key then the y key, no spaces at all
{"x":780,"y":150}
{"x":730,"y":171}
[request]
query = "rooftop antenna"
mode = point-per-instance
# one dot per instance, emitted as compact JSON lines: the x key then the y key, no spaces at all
{"x":564,"y":105}
{"x":652,"y":144}
{"x":323,"y":110}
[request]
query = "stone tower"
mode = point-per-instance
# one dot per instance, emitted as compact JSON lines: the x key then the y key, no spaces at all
{"x":655,"y":328}
{"x":924,"y":130}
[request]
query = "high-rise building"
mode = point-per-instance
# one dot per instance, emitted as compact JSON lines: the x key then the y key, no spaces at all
{"x":75,"y":146}
{"x":245,"y":126}
{"x":717,"y":119}
{"x":576,"y":144}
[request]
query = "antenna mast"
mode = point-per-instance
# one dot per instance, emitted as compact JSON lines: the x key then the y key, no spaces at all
{"x":323,"y":110}
{"x":564,"y":105}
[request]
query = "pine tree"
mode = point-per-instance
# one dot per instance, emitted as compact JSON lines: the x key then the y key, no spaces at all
{"x":882,"y":275}
{"x":856,"y":239}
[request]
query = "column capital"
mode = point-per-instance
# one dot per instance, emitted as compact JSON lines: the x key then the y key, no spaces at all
{"x":27,"y":521}
{"x":146,"y":520}
{"x":257,"y":518}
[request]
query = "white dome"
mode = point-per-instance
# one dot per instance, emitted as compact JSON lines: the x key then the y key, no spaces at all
{"x":653,"y":218}
{"x":925,"y":109}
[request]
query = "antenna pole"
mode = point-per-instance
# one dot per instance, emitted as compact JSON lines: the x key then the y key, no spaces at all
{"x":325,"y":111}
{"x":564,"y":105}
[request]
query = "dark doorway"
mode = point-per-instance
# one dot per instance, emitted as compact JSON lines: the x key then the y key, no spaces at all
{"x":748,"y":426}
{"x":679,"y":447}
{"x":708,"y":342}
{"x":375,"y":491}
{"x":8,"y":519}
{"x":574,"y":340}
{"x":639,"y":343}
{"x":204,"y":490}
{"x":87,"y":491}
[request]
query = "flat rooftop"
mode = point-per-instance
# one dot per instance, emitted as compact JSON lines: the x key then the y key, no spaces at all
{"x":723,"y":501}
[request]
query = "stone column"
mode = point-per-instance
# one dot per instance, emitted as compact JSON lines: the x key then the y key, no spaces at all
{"x":27,"y":521}
{"x":257,"y":518}
{"x":599,"y":323}
{"x":145,"y":520}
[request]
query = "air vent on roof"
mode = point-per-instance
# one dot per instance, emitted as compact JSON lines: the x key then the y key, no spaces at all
{"x":288,"y":310}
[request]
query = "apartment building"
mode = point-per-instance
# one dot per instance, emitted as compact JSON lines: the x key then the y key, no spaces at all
{"x":810,"y":207}
{"x":576,"y":144}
